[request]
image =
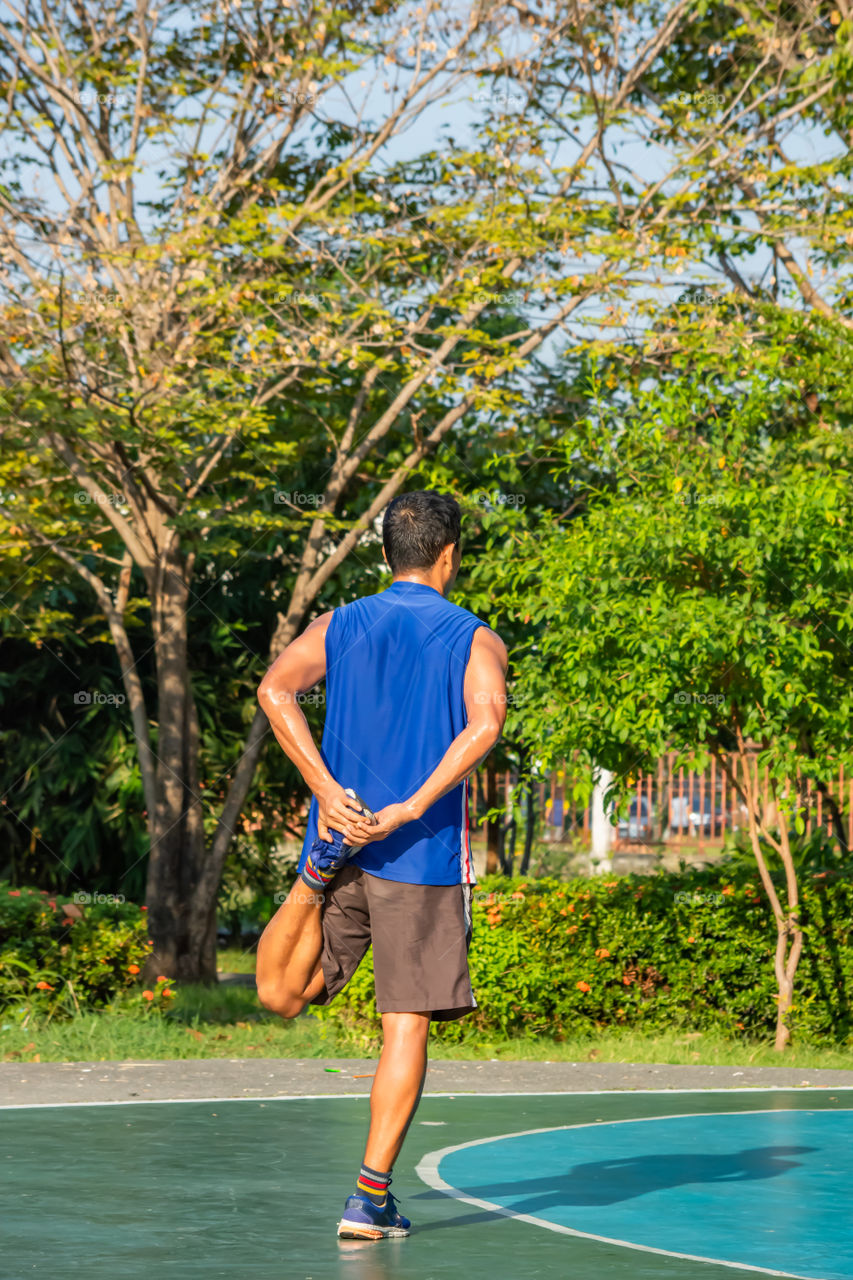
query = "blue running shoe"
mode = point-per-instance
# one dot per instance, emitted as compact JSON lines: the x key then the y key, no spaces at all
{"x":363,"y":1220}
{"x":325,"y":860}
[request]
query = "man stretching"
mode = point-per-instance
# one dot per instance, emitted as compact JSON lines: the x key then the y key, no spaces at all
{"x":415,"y":700}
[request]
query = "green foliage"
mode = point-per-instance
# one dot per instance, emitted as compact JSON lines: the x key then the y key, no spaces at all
{"x":54,"y":966}
{"x":691,"y":950}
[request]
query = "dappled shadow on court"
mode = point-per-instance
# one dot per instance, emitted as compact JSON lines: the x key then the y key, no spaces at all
{"x":604,"y":1182}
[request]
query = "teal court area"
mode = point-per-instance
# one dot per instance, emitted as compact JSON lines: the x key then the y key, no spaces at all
{"x":598,"y":1186}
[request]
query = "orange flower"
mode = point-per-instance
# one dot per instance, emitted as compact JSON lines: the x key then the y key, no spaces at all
{"x":739,"y":1026}
{"x":517,"y":894}
{"x":162,"y":978}
{"x":728,"y":888}
{"x":583,"y":986}
{"x":562,"y":911}
{"x":602,"y":953}
{"x":148,"y":995}
{"x":571,"y":907}
{"x":585,"y":916}
{"x":67,"y":920}
{"x":691,"y":939}
{"x":572,"y":928}
{"x":44,"y":986}
{"x":133,"y":968}
{"x":168,"y":991}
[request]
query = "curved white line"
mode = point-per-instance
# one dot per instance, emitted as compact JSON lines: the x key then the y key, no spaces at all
{"x":427,"y":1171}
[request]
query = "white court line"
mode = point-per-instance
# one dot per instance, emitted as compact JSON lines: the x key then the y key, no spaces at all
{"x":459,"y":1094}
{"x":427,"y":1171}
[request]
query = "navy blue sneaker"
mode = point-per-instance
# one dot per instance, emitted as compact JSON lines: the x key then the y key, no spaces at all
{"x":363,"y":1220}
{"x":325,"y":860}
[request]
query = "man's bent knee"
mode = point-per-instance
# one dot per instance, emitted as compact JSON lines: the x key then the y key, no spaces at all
{"x":285,"y":1003}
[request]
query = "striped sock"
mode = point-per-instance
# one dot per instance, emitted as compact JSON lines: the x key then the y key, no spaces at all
{"x":316,"y":879}
{"x":373,"y":1185}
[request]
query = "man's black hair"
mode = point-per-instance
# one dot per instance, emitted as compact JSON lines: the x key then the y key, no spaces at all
{"x":417,"y":527}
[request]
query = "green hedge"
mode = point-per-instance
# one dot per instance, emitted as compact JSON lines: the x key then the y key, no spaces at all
{"x":51,"y":964}
{"x":691,"y":950}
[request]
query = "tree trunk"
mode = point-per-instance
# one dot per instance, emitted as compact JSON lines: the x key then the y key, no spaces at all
{"x":493,"y":824}
{"x":181,"y":914}
{"x":529,"y":828}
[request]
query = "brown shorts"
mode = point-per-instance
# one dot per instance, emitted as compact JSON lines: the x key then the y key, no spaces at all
{"x":420,"y":935}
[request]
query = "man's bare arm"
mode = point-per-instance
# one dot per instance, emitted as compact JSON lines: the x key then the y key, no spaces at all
{"x":485,"y":703}
{"x":295,"y":670}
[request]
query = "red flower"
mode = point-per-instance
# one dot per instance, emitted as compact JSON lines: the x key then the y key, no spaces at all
{"x":14,"y":893}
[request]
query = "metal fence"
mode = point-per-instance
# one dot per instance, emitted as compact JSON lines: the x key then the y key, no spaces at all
{"x":669,"y":805}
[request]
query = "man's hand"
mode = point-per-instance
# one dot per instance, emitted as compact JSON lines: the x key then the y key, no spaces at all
{"x":339,"y":811}
{"x":389,"y":819}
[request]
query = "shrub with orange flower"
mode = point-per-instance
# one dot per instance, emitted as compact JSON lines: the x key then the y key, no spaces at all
{"x":133,"y":968}
{"x":148,"y":995}
{"x":602,"y":953}
{"x":583,"y":986}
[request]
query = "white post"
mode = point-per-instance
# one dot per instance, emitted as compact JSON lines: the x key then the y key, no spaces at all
{"x":600,"y":828}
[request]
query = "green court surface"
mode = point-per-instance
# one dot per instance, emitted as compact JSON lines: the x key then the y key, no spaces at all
{"x":607,"y":1185}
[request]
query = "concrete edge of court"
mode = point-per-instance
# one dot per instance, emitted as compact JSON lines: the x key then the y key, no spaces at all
{"x":63,"y":1083}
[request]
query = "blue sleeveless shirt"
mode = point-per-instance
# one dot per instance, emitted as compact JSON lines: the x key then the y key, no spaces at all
{"x":395,"y":670}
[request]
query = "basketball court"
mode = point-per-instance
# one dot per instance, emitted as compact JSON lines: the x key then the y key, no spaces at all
{"x":606,"y":1185}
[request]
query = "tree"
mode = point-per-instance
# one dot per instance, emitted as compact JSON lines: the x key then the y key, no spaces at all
{"x":299,"y":294}
{"x":704,"y":600}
